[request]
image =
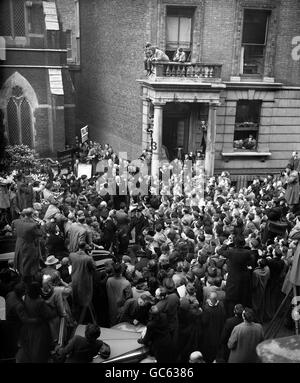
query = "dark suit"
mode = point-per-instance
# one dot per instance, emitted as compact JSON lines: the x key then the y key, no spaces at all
{"x":238,"y":281}
{"x":80,"y":350}
{"x":27,"y":250}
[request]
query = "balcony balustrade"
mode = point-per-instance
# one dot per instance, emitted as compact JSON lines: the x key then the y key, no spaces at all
{"x":195,"y":71}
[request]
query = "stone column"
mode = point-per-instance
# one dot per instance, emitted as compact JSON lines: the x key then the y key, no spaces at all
{"x":210,"y":141}
{"x":145,"y":123}
{"x":157,"y":138}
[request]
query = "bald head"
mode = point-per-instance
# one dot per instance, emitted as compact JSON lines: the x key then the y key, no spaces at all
{"x":196,"y":357}
{"x":213,"y":297}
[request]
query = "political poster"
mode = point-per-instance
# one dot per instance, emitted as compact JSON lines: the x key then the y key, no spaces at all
{"x":84,"y":133}
{"x":84,"y":169}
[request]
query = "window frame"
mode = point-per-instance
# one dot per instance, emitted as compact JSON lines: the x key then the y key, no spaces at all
{"x":252,"y":128}
{"x":69,"y":48}
{"x":264,"y":45}
{"x":180,"y":12}
{"x":28,"y":23}
{"x":18,"y":100}
{"x":12,"y":22}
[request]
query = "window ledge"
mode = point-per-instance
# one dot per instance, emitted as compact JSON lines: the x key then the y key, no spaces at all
{"x":73,"y":66}
{"x":245,"y":153}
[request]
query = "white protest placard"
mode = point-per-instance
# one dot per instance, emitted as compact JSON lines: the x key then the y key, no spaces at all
{"x":84,"y":133}
{"x":84,"y":169}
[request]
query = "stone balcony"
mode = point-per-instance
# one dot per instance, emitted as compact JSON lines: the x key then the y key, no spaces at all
{"x":192,"y":72}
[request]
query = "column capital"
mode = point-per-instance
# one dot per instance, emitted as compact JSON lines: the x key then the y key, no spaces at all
{"x":146,"y":98}
{"x":158,"y":104}
{"x":214,"y":104}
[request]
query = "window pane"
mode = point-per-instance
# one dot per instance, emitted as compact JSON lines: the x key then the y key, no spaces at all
{"x":35,"y":17}
{"x":69,"y":43}
{"x":185,"y":32}
{"x":19,"y":17}
{"x":180,"y":11}
{"x":254,"y":58}
{"x":172,"y":30}
{"x":12,"y":123}
{"x":26,"y":123}
{"x":247,"y":120}
{"x":254,"y":28}
{"x":248,"y":111}
{"x":5,"y":24}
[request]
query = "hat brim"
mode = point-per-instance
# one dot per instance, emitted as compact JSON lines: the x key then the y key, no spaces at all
{"x":51,"y":263}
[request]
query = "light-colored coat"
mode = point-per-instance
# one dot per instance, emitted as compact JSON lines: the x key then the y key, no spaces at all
{"x":243,"y":341}
{"x":293,"y":188}
{"x":118,"y":291}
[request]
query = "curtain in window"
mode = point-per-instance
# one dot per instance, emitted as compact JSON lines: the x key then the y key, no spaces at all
{"x":185,"y":32}
{"x":172,"y":30}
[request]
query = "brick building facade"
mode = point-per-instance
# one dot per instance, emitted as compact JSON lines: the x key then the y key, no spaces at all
{"x":36,"y":90}
{"x":257,"y":91}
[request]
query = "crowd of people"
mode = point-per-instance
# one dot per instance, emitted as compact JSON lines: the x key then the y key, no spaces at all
{"x":202,"y":275}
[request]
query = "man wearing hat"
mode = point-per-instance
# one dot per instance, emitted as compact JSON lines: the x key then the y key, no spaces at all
{"x":50,"y":269}
{"x":27,"y":250}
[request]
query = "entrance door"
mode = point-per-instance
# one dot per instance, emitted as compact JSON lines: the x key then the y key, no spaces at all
{"x":175,"y":135}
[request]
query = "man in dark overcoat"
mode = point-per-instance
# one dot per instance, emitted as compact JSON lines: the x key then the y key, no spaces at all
{"x":83,"y":268}
{"x":238,"y":284}
{"x":27,"y":250}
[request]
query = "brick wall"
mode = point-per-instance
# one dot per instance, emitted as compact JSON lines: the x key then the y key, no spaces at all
{"x":286,"y":69}
{"x":112,"y":40}
{"x":218,"y":36}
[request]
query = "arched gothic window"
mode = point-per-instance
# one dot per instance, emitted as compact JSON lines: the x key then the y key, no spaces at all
{"x":19,"y":119}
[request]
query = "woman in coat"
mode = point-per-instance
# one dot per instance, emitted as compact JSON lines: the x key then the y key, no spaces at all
{"x":35,"y":338}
